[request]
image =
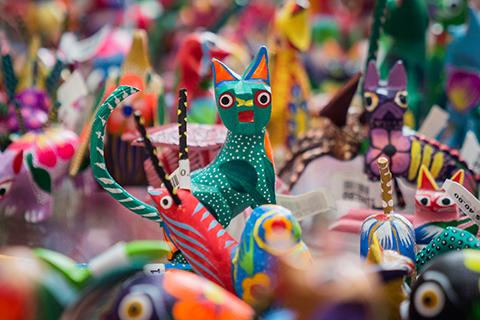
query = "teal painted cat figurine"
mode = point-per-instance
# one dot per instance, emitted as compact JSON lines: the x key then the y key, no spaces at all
{"x":242,"y":175}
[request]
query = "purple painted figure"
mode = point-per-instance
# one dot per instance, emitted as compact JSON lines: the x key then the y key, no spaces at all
{"x":385,"y":105}
{"x":34,"y":105}
{"x":30,"y":168}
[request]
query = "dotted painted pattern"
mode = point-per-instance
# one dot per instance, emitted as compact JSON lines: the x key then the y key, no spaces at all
{"x":451,"y":239}
{"x":212,"y":188}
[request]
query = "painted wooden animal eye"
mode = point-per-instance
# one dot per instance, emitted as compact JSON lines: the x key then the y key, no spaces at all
{"x":371,"y":101}
{"x":453,"y":7}
{"x":429,"y":299}
{"x":226,"y":100}
{"x":444,"y":201}
{"x":423,"y":200}
{"x":262,"y":98}
{"x":135,"y":306}
{"x":166,"y":202}
{"x":5,"y":187}
{"x":401,"y":99}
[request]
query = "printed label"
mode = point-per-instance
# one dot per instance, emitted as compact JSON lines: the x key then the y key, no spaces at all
{"x":308,"y":204}
{"x":82,"y":50}
{"x":471,"y":151}
{"x":355,"y":187}
{"x":180,"y":178}
{"x":464,"y":199}
{"x":154,"y":268}
{"x":68,"y":93}
{"x":435,"y":122}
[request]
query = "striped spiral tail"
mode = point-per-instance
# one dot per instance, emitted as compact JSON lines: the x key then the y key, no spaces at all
{"x":97,"y":159}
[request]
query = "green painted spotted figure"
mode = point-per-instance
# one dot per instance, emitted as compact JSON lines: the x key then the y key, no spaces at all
{"x":242,"y":174}
{"x":450,"y":239}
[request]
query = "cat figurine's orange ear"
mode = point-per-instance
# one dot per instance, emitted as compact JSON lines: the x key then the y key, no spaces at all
{"x":258,"y":69}
{"x":222,"y":73}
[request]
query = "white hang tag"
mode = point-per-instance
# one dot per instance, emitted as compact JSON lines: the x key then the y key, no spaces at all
{"x":308,"y":204}
{"x":464,"y":199}
{"x":154,"y":269}
{"x":82,"y":50}
{"x":471,"y":151}
{"x":180,"y":178}
{"x":355,"y":190}
{"x":435,"y":122}
{"x":68,"y":93}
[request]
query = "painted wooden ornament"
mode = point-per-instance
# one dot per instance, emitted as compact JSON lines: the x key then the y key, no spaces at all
{"x":394,"y":231}
{"x":176,"y":295}
{"x":385,"y":106}
{"x":31,"y":168}
{"x":448,"y":288}
{"x":451,"y":239}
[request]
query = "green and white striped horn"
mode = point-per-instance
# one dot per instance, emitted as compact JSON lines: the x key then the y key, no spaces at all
{"x":97,"y":159}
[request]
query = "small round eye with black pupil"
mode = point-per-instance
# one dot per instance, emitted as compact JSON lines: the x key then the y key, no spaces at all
{"x":444,"y":201}
{"x":226,"y":100}
{"x":166,"y":202}
{"x":262,"y":98}
{"x":371,"y":101}
{"x":401,"y":99}
{"x":423,"y":200}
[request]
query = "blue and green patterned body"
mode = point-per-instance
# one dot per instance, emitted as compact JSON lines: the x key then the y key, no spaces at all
{"x":271,"y":231}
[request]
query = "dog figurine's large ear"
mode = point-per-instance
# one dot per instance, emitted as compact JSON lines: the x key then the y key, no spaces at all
{"x":397,"y":79}
{"x":371,"y":78}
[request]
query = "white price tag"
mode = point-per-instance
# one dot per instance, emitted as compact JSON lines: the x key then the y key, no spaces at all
{"x":180,"y":178}
{"x":355,"y":188}
{"x":82,"y":50}
{"x":308,"y":204}
{"x":471,"y":151}
{"x":68,"y":93}
{"x":154,"y":268}
{"x":435,"y":122}
{"x":464,"y":199}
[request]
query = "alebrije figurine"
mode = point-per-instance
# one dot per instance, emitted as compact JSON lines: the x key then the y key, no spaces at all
{"x":41,"y":284}
{"x":270,"y":232}
{"x":126,"y":161}
{"x":242,"y":175}
{"x":385,"y":106}
{"x":31,"y":97}
{"x":407,"y":43}
{"x":451,"y":239}
{"x":394,"y":231}
{"x":462,"y":83}
{"x":194,"y":74}
{"x":290,"y":37}
{"x":443,"y":15}
{"x":448,"y":288}
{"x":175,"y":295}
{"x":30,"y":170}
{"x":448,"y":12}
{"x":435,"y":209}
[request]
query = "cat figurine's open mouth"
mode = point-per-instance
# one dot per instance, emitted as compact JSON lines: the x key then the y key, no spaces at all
{"x":246,"y":116}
